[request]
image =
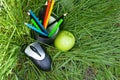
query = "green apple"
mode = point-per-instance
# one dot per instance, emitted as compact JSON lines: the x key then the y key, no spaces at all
{"x":64,"y":41}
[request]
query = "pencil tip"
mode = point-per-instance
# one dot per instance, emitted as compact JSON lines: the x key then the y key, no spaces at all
{"x":25,"y":23}
{"x":65,"y":14}
{"x":46,"y":3}
{"x":28,"y":13}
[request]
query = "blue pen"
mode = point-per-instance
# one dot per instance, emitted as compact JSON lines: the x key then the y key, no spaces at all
{"x":37,"y":21}
{"x":33,"y":28}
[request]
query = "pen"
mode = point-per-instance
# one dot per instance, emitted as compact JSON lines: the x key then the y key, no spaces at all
{"x":41,"y":13}
{"x":57,"y":19}
{"x":33,"y":28}
{"x":55,"y":28}
{"x":50,"y":11}
{"x":37,"y":21}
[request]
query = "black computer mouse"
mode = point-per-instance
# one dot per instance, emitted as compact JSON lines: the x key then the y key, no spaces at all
{"x":38,"y":55}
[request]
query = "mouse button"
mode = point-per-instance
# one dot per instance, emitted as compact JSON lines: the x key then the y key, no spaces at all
{"x":39,"y":49}
{"x":32,"y":54}
{"x":41,"y":52}
{"x":33,"y":48}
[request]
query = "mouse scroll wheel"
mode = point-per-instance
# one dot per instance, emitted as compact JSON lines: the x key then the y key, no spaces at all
{"x":34,"y":49}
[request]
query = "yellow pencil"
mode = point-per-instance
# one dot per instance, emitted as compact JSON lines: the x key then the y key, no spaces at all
{"x":48,"y":17}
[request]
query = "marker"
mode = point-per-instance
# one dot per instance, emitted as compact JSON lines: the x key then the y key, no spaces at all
{"x":35,"y":24}
{"x":48,"y":17}
{"x":55,"y":28}
{"x":57,"y":19}
{"x":33,"y":28}
{"x":47,"y":12}
{"x":37,"y":21}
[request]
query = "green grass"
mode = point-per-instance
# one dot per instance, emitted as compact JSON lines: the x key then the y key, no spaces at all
{"x":95,"y":56}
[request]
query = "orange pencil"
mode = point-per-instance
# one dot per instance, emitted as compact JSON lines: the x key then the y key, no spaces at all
{"x":50,"y":11}
{"x":46,"y":12}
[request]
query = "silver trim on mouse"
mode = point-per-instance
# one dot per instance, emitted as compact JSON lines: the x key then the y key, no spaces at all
{"x":35,"y":51}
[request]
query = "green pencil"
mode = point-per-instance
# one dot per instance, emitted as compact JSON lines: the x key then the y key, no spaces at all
{"x":55,"y":28}
{"x":35,"y":24}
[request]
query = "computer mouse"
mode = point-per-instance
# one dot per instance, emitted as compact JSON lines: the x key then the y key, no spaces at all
{"x":39,"y":56}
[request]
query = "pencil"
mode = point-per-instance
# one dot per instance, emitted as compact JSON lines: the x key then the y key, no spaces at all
{"x":33,"y":28}
{"x":57,"y":19}
{"x":35,"y":24}
{"x":55,"y":28}
{"x":37,"y":21}
{"x":48,"y":17}
{"x":47,"y":12}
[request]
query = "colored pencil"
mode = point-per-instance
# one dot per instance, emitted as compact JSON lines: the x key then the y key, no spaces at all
{"x":46,"y":12}
{"x":35,"y":24}
{"x":57,"y":19}
{"x":48,"y":17}
{"x":35,"y":29}
{"x":37,"y":21}
{"x":55,"y":28}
